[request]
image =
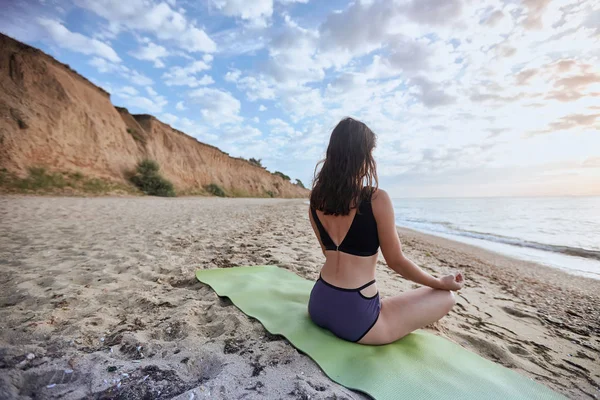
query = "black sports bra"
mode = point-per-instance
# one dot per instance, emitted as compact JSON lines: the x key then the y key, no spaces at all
{"x":362,"y":238}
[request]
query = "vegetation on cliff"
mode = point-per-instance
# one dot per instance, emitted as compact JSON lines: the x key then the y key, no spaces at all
{"x":147,"y":178}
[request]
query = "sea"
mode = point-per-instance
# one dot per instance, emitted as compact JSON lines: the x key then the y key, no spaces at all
{"x":559,"y":232}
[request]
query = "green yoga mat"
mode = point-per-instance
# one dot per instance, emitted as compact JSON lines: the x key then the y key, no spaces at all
{"x":419,"y":366}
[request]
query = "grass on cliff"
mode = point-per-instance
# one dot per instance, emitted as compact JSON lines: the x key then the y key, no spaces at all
{"x":41,"y":181}
{"x":147,"y":178}
{"x":215,"y":190}
{"x":138,"y":137}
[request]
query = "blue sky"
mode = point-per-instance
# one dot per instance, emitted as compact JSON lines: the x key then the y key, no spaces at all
{"x":468,"y":98}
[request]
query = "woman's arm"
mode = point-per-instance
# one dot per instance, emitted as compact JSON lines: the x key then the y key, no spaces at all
{"x":390,"y":243}
{"x":314,"y":226}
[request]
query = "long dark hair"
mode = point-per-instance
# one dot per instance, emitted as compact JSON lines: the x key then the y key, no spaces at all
{"x":349,"y":174}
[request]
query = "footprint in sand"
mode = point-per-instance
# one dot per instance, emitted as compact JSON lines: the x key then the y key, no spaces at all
{"x":214,"y":330}
{"x":171,"y":331}
{"x":489,"y":350}
{"x":518,"y":313}
{"x":190,"y":284}
{"x":518,"y":350}
{"x":51,"y":384}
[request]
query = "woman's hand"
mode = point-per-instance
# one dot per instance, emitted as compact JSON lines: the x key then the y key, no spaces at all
{"x":451,"y":282}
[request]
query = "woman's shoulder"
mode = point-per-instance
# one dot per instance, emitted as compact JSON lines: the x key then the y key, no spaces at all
{"x":375,"y":199}
{"x":376,"y":195}
{"x":380,"y":201}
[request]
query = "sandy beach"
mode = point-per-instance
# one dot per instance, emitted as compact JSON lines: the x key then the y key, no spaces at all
{"x":98,"y":299}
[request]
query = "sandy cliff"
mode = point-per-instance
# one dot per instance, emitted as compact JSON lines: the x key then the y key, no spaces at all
{"x":52,"y":117}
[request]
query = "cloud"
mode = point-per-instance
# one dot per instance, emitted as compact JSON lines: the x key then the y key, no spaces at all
{"x":153,"y":104}
{"x":494,"y":132}
{"x":146,"y":104}
{"x":578,"y":81}
{"x":186,"y":76}
{"x":151,"y":52}
{"x":62,"y":37}
{"x":535,"y":12}
{"x":138,"y":78}
{"x":233,"y":75}
{"x":409,"y":54}
{"x":280,"y":127}
{"x":262,"y":108}
{"x":431,"y":93}
{"x":433,"y":12}
{"x":128,"y":90}
{"x":431,"y":163}
{"x":292,"y":55}
{"x":104,"y":66}
{"x":505,"y":51}
{"x":257,"y":11}
{"x":591,"y":162}
{"x":244,"y":135}
{"x":494,"y":18}
{"x":179,"y":106}
{"x":565,"y":65}
{"x":346,"y":83}
{"x":169,"y":118}
{"x":565,"y":96}
{"x":157,"y":18}
{"x":256,"y":88}
{"x":218,"y":107}
{"x":573,"y":80}
{"x":350,"y":31}
{"x":299,"y":55}
{"x":239,"y":41}
{"x":569,"y":122}
{"x":128,"y":74}
{"x":575,"y":120}
{"x":478,"y":97}
{"x":524,"y":76}
{"x":303,"y":102}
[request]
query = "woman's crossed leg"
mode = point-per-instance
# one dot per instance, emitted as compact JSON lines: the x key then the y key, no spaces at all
{"x":407,"y":312}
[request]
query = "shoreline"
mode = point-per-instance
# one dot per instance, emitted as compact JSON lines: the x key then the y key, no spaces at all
{"x":92,"y":284}
{"x":491,"y":254}
{"x":557,"y":232}
{"x":489,"y":247}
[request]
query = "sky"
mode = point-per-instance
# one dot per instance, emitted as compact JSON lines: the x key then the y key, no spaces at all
{"x":467,"y":97}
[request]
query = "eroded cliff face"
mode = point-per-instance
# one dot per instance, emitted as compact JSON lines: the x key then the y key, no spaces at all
{"x":52,"y":117}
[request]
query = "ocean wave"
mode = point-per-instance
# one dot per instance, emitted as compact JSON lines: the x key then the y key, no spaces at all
{"x":451,"y":229}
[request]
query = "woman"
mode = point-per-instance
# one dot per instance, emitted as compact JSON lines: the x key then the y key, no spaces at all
{"x":352,"y":219}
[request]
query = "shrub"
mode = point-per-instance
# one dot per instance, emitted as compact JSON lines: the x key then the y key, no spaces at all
{"x":136,"y":135}
{"x":76,"y":176}
{"x":270,"y":193}
{"x":147,"y":167}
{"x":299,"y":183}
{"x":281,"y":174}
{"x":256,"y":162}
{"x":149,"y":181}
{"x":215,"y":190}
{"x":5,"y":177}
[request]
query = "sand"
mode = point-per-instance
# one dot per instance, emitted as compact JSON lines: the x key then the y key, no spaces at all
{"x":98,"y":299}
